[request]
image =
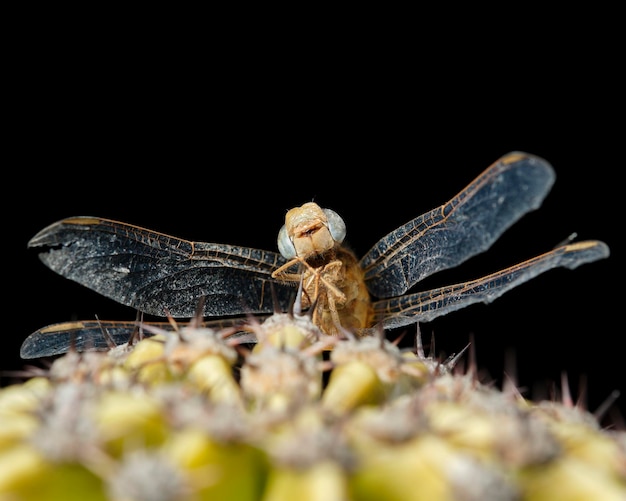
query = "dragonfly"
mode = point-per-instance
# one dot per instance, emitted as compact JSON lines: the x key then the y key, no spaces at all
{"x":162,"y":275}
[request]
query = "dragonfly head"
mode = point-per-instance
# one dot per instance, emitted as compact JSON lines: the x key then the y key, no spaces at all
{"x":310,"y":231}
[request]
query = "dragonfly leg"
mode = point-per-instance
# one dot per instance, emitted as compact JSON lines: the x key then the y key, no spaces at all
{"x":321,"y":287}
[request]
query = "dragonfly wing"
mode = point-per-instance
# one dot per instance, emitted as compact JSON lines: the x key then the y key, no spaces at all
{"x":465,"y":226}
{"x":428,"y":305}
{"x":160,"y":274}
{"x":56,"y":339}
{"x":94,"y":335}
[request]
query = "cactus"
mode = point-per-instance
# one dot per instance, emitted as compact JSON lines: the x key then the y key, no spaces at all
{"x":195,"y":414}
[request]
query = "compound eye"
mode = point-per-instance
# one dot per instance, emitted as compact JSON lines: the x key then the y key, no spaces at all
{"x":336,"y":226}
{"x":285,"y":245}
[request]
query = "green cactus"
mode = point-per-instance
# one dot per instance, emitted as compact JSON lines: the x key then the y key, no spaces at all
{"x":194,"y":415}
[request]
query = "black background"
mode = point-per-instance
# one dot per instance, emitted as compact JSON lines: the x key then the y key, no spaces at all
{"x":217,"y":149}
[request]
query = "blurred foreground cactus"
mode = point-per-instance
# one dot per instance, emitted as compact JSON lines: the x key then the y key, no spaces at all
{"x":194,"y":415}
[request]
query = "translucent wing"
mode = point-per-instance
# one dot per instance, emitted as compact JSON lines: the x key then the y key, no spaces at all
{"x":93,"y":335}
{"x":463,"y":227}
{"x":159,"y":274}
{"x":425,"y":306}
{"x":84,"y":336}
